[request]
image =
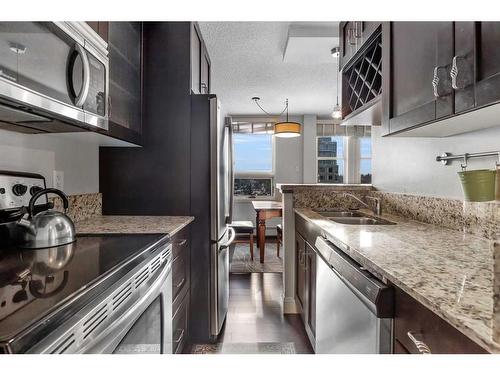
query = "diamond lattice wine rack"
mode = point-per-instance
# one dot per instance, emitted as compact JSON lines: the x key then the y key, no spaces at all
{"x":362,"y":77}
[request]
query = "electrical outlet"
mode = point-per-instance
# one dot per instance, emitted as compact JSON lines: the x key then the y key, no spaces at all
{"x":58,"y":180}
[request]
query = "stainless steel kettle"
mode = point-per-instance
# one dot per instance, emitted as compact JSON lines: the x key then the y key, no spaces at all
{"x":48,"y":228}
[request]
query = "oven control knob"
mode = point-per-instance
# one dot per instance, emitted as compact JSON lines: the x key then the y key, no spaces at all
{"x":35,"y":189}
{"x":19,"y":189}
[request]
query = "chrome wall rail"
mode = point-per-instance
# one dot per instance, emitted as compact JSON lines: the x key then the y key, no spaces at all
{"x":447,"y":157}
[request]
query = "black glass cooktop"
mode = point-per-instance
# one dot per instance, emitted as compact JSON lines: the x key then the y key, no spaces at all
{"x":35,"y":282}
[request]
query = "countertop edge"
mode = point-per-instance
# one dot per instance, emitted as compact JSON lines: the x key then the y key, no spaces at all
{"x":290,"y":188}
{"x":181,"y":226}
{"x":177,"y":224}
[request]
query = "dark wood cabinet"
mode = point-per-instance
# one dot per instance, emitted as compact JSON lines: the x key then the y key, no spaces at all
{"x":476,"y":65}
{"x":181,"y":265}
{"x":125,"y":80}
{"x":196,"y":50}
{"x":205,"y":73}
{"x":416,"y":73}
{"x":451,"y":68}
{"x":171,"y":133}
{"x":180,"y":326}
{"x":306,"y":275}
{"x":311,"y":291}
{"x":352,"y":36}
{"x":200,"y":63}
{"x":300,"y":278}
{"x":101,"y":28}
{"x":413,"y":321}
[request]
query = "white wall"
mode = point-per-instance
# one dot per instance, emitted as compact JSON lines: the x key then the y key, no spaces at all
{"x":408,"y":165}
{"x":309,"y":149}
{"x":77,"y":155}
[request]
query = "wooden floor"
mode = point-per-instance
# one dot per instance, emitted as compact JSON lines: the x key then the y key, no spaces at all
{"x":255,"y":313}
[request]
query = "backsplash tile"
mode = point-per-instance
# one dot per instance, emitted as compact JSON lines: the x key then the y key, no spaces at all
{"x":81,"y":206}
{"x":496,"y":290}
{"x":479,"y":218}
{"x":327,"y":198}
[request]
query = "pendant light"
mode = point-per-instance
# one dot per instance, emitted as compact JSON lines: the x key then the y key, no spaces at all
{"x":283,"y":129}
{"x":337,"y":111}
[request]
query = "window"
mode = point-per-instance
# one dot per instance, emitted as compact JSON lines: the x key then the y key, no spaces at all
{"x":365,"y":159}
{"x":253,"y":148}
{"x":253,"y":153}
{"x":331,"y":165}
{"x":343,"y":153}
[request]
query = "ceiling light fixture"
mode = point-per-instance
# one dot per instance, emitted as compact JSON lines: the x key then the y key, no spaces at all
{"x":337,"y":111}
{"x":282,"y":129}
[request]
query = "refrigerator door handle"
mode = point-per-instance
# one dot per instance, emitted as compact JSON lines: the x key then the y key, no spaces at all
{"x":230,"y":241}
{"x":229,"y":126}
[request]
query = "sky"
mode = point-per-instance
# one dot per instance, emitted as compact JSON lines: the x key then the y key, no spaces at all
{"x":253,"y":152}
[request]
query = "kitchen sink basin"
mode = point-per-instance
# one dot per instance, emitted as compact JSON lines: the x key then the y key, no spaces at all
{"x":330,"y":214}
{"x":366,"y":220}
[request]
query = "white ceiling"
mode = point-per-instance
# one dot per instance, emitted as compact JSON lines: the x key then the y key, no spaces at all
{"x":248,"y":59}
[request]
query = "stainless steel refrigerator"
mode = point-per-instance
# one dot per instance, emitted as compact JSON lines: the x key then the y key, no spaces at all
{"x":211,"y":148}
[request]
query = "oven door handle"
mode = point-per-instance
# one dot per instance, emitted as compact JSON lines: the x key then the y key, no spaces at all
{"x":112,"y":337}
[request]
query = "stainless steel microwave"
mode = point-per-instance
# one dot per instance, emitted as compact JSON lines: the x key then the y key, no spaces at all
{"x":53,"y":76}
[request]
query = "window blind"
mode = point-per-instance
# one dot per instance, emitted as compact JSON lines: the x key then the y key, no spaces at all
{"x":324,"y":129}
{"x":253,"y":127}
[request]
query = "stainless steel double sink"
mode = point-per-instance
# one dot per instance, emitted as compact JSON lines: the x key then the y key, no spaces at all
{"x":354,"y":218}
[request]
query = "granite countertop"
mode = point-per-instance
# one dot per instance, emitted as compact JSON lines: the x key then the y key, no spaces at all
{"x":449,"y":272}
{"x":132,"y":224}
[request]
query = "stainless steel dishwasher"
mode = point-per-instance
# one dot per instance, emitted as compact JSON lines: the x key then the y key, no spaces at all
{"x":354,"y":310}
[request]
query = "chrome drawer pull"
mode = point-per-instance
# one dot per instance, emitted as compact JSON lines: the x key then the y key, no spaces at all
{"x":454,"y":72}
{"x":181,"y":243}
{"x":421,"y":346}
{"x":180,"y":283}
{"x":436,"y":83}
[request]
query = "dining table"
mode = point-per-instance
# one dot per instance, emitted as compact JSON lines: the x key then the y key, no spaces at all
{"x":265,"y":210}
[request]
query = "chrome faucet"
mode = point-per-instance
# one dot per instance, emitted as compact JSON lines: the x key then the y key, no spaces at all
{"x":378,"y":204}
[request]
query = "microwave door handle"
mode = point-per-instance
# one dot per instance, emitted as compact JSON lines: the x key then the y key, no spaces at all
{"x":82,"y":97}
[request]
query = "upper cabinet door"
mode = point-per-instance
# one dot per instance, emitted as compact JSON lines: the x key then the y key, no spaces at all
{"x":101,"y":28}
{"x":200,"y":63}
{"x":476,"y":64}
{"x":125,"y":77}
{"x":348,"y":41}
{"x":205,"y":74}
{"x":195,"y":61}
{"x":353,"y":34}
{"x":416,"y":73}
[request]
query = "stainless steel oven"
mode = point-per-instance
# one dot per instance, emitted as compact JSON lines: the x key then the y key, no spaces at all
{"x":132,"y":316}
{"x":52,"y":74}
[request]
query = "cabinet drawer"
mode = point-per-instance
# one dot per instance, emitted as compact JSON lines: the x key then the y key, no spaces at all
{"x":439,"y":336}
{"x":180,"y":326}
{"x":180,"y":278}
